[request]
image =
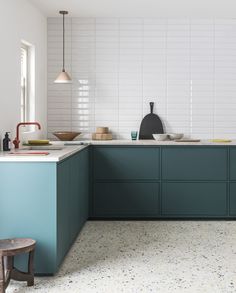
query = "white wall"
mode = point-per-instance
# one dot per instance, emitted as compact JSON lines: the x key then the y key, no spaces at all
{"x":118,"y":65}
{"x":19,"y":20}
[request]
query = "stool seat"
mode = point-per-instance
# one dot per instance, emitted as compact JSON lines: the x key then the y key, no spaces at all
{"x":9,"y":247}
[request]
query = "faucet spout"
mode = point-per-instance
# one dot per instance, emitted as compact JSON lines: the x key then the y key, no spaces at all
{"x":16,"y":141}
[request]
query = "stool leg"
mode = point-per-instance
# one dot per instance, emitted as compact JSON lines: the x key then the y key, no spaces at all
{"x":10,"y":260}
{"x":2,"y":275}
{"x":9,"y":268}
{"x":31,"y":268}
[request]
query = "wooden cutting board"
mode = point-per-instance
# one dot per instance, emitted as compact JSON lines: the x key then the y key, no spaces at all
{"x":187,"y":140}
{"x":150,"y":124}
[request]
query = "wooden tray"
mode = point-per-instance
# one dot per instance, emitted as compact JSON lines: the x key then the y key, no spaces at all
{"x":187,"y":140}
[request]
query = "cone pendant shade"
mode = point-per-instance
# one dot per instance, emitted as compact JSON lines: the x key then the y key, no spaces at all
{"x":63,"y":77}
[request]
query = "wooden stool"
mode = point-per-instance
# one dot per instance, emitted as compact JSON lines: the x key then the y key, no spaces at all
{"x":9,"y":248}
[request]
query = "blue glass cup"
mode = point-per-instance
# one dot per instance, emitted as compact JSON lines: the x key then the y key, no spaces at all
{"x":134,"y":135}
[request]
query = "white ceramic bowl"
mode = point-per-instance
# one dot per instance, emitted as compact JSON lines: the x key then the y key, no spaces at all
{"x":160,"y":136}
{"x":174,"y":136}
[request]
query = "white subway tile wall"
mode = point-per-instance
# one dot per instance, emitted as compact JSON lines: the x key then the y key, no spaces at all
{"x":119,"y":65}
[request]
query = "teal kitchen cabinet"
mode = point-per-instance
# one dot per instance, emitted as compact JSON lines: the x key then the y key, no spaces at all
{"x":72,"y":200}
{"x":83,"y":188}
{"x":194,"y":163}
{"x":126,"y":163}
{"x":28,"y":201}
{"x":78,"y":192}
{"x":48,"y":201}
{"x":232,"y":188}
{"x":74,"y":197}
{"x":232,"y":199}
{"x":233,"y":163}
{"x":126,"y":199}
{"x":44,"y":203}
{"x":160,"y":181}
{"x":194,"y":181}
{"x":63,"y":209}
{"x":191,"y":199}
{"x":125,"y":181}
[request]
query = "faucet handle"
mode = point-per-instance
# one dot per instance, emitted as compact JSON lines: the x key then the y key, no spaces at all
{"x":16,"y":143}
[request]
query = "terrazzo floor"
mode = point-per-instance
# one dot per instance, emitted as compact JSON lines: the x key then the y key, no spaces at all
{"x":146,"y":256}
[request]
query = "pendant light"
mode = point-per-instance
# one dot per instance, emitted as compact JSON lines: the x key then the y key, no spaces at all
{"x":63,"y":77}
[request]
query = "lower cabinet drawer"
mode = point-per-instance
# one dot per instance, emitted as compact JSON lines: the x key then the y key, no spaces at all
{"x":126,"y":199}
{"x":194,"y":199}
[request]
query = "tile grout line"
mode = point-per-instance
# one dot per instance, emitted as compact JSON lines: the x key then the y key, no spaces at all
{"x":167,"y":95}
{"x":95,"y":73}
{"x":214,"y":79}
{"x":142,"y":74}
{"x":118,"y":81}
{"x":190,"y":75}
{"x":71,"y":21}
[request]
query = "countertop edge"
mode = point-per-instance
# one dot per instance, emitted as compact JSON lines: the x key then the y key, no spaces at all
{"x":56,"y":156}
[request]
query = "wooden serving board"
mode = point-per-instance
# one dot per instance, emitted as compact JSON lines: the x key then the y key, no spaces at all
{"x":35,"y":144}
{"x":187,"y":140}
{"x":150,"y":124}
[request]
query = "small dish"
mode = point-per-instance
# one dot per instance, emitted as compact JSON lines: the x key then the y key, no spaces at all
{"x":160,"y":136}
{"x":173,"y":136}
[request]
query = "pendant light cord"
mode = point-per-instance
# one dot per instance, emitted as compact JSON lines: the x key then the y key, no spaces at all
{"x":63,"y":67}
{"x":63,"y":77}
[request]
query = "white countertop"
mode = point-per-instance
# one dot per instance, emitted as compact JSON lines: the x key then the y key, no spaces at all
{"x":68,"y":150}
{"x":54,"y":155}
{"x":155,"y":142}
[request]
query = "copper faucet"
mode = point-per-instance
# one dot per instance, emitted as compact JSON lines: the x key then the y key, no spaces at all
{"x":16,"y":141}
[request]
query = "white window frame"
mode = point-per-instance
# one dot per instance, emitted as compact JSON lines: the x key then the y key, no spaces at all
{"x":28,"y":87}
{"x":24,"y":83}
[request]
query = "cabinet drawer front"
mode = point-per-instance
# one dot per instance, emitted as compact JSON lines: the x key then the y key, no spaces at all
{"x":194,"y":163}
{"x":232,"y":199}
{"x":126,"y":163}
{"x":194,"y":199}
{"x":233,"y":163}
{"x":126,"y":199}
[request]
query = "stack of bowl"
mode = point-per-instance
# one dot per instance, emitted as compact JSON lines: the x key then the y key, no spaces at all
{"x":102,"y":133}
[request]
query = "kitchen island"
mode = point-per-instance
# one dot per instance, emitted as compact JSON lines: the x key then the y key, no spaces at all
{"x":45,"y":198}
{"x":50,"y":198}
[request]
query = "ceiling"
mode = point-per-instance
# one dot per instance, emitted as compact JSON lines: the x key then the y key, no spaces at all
{"x":138,"y":8}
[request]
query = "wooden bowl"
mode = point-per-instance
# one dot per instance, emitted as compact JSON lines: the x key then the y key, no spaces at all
{"x":66,"y":135}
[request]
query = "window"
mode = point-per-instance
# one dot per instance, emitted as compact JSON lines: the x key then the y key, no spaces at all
{"x":24,"y":83}
{"x":27,"y":82}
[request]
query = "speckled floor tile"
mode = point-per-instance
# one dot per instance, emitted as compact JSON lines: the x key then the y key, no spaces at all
{"x":146,"y":256}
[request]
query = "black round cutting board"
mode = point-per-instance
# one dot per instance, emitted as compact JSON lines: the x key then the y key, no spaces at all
{"x":150,"y":124}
